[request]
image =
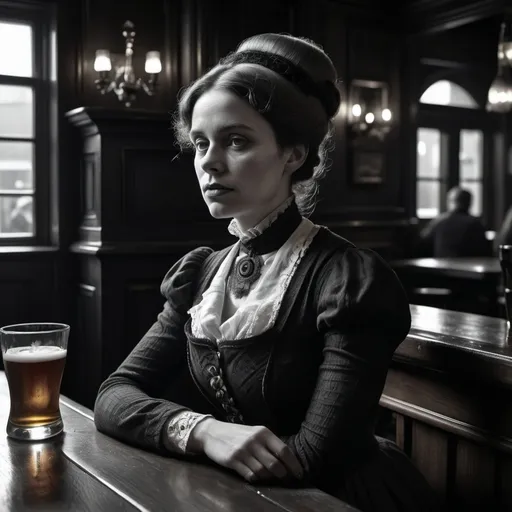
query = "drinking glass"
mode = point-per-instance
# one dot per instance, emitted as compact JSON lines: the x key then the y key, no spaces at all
{"x":505,"y":255}
{"x":34,"y":357}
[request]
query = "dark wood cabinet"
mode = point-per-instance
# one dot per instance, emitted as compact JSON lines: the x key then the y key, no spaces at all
{"x":141,"y":211}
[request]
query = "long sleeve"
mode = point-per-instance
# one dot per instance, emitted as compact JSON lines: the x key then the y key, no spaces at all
{"x":129,"y":404}
{"x":363,"y":315}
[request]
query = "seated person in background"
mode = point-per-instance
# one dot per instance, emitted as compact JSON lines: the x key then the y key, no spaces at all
{"x":504,"y":235}
{"x":455,"y":233}
{"x":270,"y":356}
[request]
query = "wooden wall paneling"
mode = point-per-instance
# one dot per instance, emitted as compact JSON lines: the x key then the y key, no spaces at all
{"x":199,"y":44}
{"x":143,"y":189}
{"x":131,"y":301}
{"x":84,"y":361}
{"x":324,"y":22}
{"x":446,"y":397}
{"x":159,"y":189}
{"x":119,"y":311}
{"x":420,"y":16}
{"x":375,"y":55}
{"x":234,"y":23}
{"x":449,"y":423}
{"x":504,"y":477}
{"x":28,"y":286}
{"x":401,"y":432}
{"x":475,"y":477}
{"x":430,"y":452}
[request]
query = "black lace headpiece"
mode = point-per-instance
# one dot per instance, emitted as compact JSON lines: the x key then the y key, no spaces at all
{"x":325,"y":91}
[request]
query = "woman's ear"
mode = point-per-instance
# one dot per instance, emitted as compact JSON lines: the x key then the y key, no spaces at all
{"x":296,"y":157}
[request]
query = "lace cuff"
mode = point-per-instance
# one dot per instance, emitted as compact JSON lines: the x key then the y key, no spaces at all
{"x":179,"y":428}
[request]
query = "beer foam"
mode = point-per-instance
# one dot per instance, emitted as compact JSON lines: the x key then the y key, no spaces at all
{"x":34,"y":354}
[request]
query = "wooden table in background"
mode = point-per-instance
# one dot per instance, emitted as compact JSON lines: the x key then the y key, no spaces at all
{"x":475,"y":269}
{"x":473,"y":284}
{"x":84,"y":470}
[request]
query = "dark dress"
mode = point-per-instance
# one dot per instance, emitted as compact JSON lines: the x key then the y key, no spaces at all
{"x":314,"y":378}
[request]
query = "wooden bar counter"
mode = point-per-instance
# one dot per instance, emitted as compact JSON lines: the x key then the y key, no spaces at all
{"x":86,"y":471}
{"x":450,"y":390}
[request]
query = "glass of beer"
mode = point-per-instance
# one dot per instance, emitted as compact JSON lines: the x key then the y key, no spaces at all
{"x":505,"y":255}
{"x":34,"y":356}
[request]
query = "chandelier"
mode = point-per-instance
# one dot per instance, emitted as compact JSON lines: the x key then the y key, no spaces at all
{"x":499,"y":98}
{"x":124,"y":83}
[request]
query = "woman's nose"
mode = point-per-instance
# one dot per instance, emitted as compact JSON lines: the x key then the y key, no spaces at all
{"x":213,"y":160}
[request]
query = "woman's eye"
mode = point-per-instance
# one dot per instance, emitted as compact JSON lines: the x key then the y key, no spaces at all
{"x":201,"y":145}
{"x":237,"y":142}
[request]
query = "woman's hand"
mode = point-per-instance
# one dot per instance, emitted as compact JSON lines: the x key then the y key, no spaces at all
{"x":254,"y":452}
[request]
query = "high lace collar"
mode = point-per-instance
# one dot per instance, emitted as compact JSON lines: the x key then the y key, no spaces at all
{"x":245,"y":235}
{"x":270,"y":234}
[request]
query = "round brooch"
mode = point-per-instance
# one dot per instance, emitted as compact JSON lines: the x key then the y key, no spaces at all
{"x":246,"y":267}
{"x":247,"y":272}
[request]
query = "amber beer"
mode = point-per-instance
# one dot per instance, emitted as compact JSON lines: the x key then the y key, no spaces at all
{"x":34,"y":375}
{"x":34,"y":355}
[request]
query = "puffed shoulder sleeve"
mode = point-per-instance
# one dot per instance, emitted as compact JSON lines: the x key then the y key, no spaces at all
{"x":180,"y":282}
{"x":358,"y":293}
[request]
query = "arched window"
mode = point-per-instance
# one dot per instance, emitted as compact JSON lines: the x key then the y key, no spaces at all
{"x":433,"y":178}
{"x":449,"y":94}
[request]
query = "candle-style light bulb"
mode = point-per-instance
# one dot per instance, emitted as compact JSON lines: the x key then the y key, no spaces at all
{"x":102,"y":61}
{"x":153,"y":63}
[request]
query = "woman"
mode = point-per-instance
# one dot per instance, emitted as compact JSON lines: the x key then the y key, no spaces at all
{"x":269,"y":356}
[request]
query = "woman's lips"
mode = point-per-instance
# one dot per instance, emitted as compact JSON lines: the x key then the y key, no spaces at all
{"x":217,"y":192}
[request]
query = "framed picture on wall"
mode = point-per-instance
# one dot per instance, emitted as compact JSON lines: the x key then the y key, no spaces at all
{"x":368,"y":167}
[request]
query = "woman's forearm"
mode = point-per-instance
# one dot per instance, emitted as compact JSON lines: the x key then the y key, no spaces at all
{"x":124,"y":411}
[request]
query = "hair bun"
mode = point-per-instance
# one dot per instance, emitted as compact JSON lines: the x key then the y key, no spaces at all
{"x":325,"y":91}
{"x":331,"y":96}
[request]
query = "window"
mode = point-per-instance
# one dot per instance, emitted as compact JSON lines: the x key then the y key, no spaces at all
{"x":24,"y":122}
{"x":471,"y":166}
{"x":448,"y":93}
{"x":428,"y":165}
{"x":450,"y":148}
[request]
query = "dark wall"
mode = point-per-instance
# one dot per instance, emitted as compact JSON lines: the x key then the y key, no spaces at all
{"x":193,"y":35}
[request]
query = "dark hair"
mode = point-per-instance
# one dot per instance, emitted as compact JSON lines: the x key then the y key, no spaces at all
{"x":461,"y":198}
{"x":296,"y":118}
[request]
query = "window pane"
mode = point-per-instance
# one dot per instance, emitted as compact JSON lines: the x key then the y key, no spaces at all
{"x":444,"y":92}
{"x":16,"y":216}
{"x":471,"y":154}
{"x":16,"y":54}
{"x":16,"y":111}
{"x":428,"y":153}
{"x":16,"y":166}
{"x":427,"y":199}
{"x":475,"y":187}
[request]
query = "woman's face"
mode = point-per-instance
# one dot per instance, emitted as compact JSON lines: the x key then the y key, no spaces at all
{"x":242,"y":171}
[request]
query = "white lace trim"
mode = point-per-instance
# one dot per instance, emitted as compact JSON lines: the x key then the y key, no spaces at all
{"x":244,"y":235}
{"x":180,"y":427}
{"x":220,"y":316}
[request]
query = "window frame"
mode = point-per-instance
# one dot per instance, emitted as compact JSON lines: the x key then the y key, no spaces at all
{"x":450,"y":121}
{"x":41,"y":18}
